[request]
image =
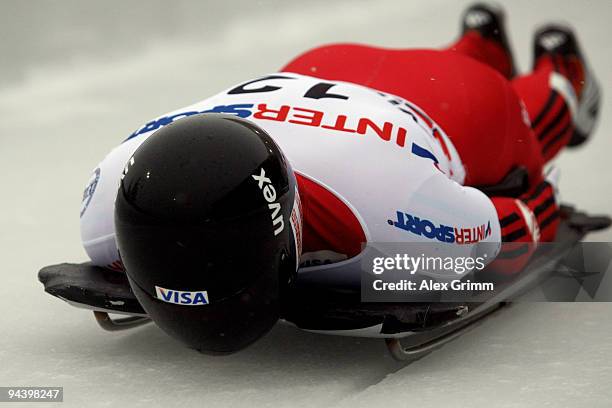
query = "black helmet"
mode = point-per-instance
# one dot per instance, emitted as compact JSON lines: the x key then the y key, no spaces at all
{"x":203,"y":227}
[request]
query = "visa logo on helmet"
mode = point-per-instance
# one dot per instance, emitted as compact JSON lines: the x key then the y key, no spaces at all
{"x":180,"y":297}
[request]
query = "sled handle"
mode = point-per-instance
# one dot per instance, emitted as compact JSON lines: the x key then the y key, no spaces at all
{"x":124,"y":323}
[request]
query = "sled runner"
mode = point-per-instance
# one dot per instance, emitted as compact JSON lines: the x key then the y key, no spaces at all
{"x":411,"y":330}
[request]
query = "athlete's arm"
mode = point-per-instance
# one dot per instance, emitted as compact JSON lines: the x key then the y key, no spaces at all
{"x":466,"y":216}
{"x":97,"y":209}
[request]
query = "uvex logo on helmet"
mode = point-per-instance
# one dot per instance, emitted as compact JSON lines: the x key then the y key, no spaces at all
{"x":269,"y":194}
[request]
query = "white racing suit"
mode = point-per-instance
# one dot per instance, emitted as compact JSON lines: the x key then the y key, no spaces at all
{"x":364,"y":155}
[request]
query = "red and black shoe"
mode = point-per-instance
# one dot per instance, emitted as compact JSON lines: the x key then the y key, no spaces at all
{"x":489,"y":22}
{"x":557,"y":44}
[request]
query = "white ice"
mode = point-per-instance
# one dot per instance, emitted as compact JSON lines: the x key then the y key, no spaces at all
{"x":76,"y":78}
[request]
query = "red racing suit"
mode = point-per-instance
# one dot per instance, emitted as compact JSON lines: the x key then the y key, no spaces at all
{"x":496,"y":123}
{"x":386,"y":145}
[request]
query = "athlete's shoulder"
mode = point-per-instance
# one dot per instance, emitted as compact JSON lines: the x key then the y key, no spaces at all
{"x":301,"y":111}
{"x":241,"y":99}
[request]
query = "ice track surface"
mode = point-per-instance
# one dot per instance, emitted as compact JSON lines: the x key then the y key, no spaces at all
{"x":79,"y":77}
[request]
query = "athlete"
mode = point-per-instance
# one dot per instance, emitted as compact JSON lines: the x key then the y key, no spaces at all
{"x":221,"y":202}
